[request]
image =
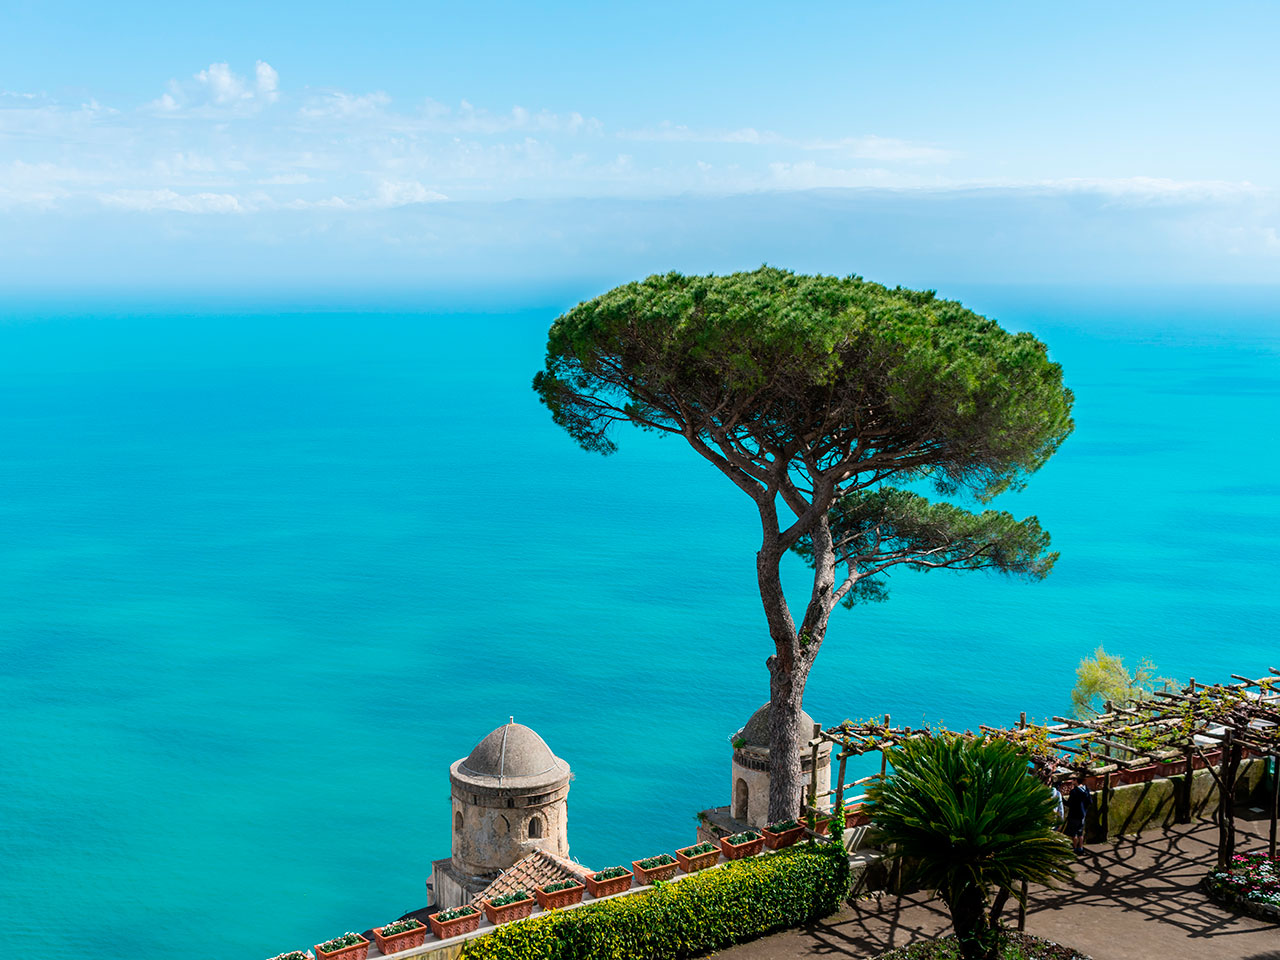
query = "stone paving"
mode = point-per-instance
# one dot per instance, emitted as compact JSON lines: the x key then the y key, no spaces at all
{"x":1134,"y":899}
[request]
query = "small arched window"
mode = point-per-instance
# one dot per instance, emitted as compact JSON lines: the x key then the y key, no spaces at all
{"x":740,"y":797}
{"x":535,"y":828}
{"x":457,"y":822}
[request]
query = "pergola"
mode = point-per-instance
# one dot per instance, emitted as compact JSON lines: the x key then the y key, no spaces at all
{"x":1214,"y":726}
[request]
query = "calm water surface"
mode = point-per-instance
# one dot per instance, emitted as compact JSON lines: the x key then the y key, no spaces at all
{"x":265,"y":573}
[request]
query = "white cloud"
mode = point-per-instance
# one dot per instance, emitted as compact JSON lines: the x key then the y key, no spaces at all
{"x":224,"y":86}
{"x":168,"y":200}
{"x":268,"y":81}
{"x":400,"y":193}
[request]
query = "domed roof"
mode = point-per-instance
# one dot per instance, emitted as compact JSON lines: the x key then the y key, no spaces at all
{"x":511,"y":752}
{"x":756,"y":730}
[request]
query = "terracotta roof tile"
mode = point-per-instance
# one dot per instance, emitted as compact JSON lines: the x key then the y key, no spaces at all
{"x":535,"y":870}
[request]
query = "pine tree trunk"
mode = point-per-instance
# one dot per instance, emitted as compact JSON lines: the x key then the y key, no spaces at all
{"x":787,"y":786}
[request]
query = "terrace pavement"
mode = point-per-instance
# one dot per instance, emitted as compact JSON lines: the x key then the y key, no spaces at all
{"x":1132,"y":899}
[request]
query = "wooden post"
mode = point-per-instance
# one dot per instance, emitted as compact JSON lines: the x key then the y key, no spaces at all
{"x":1022,"y":901}
{"x":1226,"y":799}
{"x":1184,"y":815}
{"x":844,"y":756}
{"x":1275,"y":800}
{"x":813,"y":767}
{"x":884,"y":757}
{"x":1104,"y":808}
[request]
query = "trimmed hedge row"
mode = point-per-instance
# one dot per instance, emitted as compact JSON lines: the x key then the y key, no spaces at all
{"x":707,"y":911}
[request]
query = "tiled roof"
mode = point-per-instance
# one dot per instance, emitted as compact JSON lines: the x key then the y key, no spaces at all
{"x":535,"y":870}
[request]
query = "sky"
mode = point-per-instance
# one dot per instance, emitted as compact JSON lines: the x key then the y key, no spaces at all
{"x":390,"y":145}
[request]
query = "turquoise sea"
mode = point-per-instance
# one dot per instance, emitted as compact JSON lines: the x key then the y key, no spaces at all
{"x":267,"y":569}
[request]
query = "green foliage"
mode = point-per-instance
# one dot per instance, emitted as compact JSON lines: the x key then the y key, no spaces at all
{"x":661,"y":860}
{"x":965,"y":817}
{"x":337,"y":943}
{"x":1104,"y":677}
{"x":445,"y":916}
{"x":698,"y":848}
{"x":610,"y":873}
{"x":516,"y":896}
{"x":1013,"y":946}
{"x":919,"y":382}
{"x":560,"y":885}
{"x":873,"y":530}
{"x":707,"y":911}
{"x":783,"y":826}
{"x":400,"y":926}
{"x":746,"y":836}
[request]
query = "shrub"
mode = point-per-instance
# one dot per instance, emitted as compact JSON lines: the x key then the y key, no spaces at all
{"x":561,"y":885}
{"x":516,"y":896}
{"x":704,"y":847}
{"x":661,"y":860}
{"x":610,"y":873}
{"x":444,"y":916}
{"x":400,"y":926}
{"x":707,"y":911}
{"x":746,"y":836}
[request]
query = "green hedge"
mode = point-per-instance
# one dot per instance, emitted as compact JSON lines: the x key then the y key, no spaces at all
{"x":707,"y":911}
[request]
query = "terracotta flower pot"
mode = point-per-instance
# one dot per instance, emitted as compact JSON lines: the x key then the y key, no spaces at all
{"x":607,"y":888}
{"x":405,"y":940}
{"x":508,"y":911}
{"x":357,"y":951}
{"x":699,"y":861}
{"x":856,"y":816}
{"x":1212,"y":758}
{"x":559,"y":899}
{"x":736,"y":851}
{"x":663,"y":871}
{"x":1140,"y":774}
{"x":822,"y":826}
{"x":778,"y":840}
{"x":455,"y":927}
{"x":1171,"y":768}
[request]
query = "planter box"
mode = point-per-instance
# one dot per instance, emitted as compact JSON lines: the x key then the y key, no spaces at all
{"x":456,"y":927}
{"x":736,"y":851}
{"x":856,"y":816}
{"x":357,"y":951}
{"x":783,"y":838}
{"x":822,"y":826}
{"x":508,"y":912}
{"x":559,"y":899}
{"x":406,"y":940}
{"x":699,"y":861}
{"x":1171,"y":768}
{"x":607,"y":888}
{"x":1214,"y":758}
{"x":1139,"y":774}
{"x":663,"y":872}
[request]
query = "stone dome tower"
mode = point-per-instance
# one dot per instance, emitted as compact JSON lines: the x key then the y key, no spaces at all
{"x":749,"y":796}
{"x":510,"y":798}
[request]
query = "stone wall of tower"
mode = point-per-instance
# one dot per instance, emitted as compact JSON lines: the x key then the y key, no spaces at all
{"x":493,"y":827}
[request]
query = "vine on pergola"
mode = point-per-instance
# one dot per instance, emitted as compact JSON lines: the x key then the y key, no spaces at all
{"x":1175,"y":729}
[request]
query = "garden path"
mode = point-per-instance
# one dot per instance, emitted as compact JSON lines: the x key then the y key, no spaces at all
{"x":1135,"y":899}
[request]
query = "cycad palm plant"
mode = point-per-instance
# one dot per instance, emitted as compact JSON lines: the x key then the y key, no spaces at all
{"x":965,"y":817}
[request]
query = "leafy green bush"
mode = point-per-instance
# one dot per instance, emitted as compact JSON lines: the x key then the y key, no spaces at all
{"x":561,"y":885}
{"x":746,"y":836}
{"x":706,"y":911}
{"x":704,"y":847}
{"x":516,"y":896}
{"x":661,"y":860}
{"x":610,"y":873}
{"x":444,"y":916}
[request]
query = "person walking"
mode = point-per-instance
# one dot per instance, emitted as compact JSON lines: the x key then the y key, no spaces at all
{"x":1079,"y":800}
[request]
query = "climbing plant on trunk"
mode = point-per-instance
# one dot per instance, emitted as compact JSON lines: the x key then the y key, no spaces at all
{"x":831,"y":403}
